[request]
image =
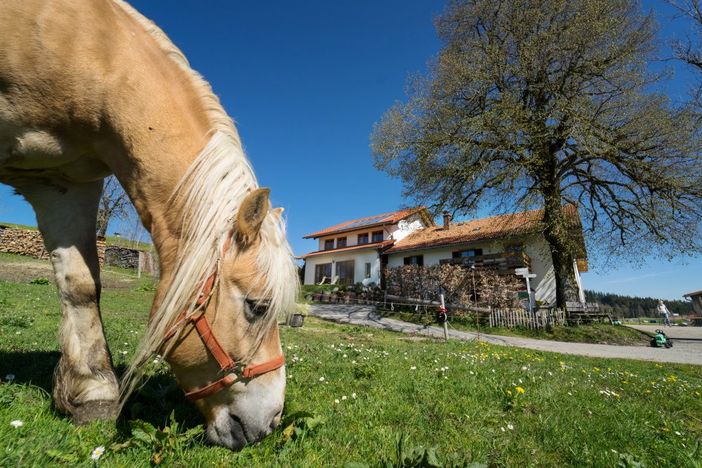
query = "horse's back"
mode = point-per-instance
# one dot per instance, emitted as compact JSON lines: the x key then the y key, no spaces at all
{"x":57,"y":61}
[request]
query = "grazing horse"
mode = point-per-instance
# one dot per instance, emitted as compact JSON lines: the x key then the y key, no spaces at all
{"x":92,"y":88}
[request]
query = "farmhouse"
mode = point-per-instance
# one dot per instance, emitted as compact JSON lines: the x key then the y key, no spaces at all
{"x":359,"y":250}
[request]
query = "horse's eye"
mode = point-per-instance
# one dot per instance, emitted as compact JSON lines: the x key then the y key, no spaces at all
{"x":257,"y":307}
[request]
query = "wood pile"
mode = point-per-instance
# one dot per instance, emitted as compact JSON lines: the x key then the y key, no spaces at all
{"x":31,"y":243}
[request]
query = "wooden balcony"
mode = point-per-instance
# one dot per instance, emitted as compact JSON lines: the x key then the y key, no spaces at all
{"x":504,"y":262}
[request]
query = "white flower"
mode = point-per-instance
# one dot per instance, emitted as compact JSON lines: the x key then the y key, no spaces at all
{"x":17,"y":423}
{"x":321,"y":379}
{"x":525,"y":368}
{"x":343,"y":397}
{"x":10,"y":377}
{"x":97,"y":452}
{"x":413,"y":368}
{"x":336,"y":401}
{"x":510,"y":426}
{"x":502,"y":429}
{"x":353,"y":395}
{"x":678,"y":433}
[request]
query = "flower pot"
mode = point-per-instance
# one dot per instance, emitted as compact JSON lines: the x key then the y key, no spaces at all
{"x":297,"y":320}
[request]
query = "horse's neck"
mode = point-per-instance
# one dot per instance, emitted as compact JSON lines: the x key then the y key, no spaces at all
{"x":161,"y":123}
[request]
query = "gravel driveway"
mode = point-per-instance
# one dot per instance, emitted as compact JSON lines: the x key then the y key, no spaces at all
{"x":686,"y":352}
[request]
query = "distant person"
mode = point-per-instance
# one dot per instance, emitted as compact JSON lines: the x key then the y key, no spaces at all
{"x":663,"y":311}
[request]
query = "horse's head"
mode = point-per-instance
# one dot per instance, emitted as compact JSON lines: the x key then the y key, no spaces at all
{"x":256,"y":279}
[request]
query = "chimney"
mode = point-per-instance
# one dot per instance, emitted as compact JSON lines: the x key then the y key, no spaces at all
{"x":447,"y":220}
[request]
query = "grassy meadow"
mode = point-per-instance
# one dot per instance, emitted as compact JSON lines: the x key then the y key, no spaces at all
{"x":356,"y":397}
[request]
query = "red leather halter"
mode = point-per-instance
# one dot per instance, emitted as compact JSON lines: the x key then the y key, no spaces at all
{"x":232,"y":370}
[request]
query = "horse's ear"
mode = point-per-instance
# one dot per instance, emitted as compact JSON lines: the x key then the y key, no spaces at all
{"x":252,"y":212}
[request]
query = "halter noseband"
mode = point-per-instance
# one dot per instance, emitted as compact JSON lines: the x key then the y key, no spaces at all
{"x":232,"y":370}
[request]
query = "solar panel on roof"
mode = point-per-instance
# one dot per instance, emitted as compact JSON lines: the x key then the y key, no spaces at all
{"x":366,"y":222}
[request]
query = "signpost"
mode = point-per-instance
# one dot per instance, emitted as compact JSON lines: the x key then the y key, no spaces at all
{"x":524,"y":273}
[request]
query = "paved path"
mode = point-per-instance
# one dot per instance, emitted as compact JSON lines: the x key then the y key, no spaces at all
{"x":674,"y":333}
{"x":682,"y":352}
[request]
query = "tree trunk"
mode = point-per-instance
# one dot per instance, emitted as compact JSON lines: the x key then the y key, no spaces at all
{"x":560,"y":244}
{"x":103,"y":220}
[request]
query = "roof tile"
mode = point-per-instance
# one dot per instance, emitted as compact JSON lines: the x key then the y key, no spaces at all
{"x":479,"y":229}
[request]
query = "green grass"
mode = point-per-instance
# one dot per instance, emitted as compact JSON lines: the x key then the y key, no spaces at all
{"x":590,"y":333}
{"x":462,"y":397}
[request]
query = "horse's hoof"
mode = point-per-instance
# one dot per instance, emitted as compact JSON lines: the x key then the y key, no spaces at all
{"x":95,"y":410}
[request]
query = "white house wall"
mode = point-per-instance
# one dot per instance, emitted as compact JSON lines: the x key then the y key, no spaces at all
{"x":360,"y":258}
{"x":544,"y":285}
{"x":433,"y":256}
{"x":407,"y":226}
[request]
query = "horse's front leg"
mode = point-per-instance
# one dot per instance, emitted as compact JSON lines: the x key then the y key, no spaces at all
{"x":85,"y":386}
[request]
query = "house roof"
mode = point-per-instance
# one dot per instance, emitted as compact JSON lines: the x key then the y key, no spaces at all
{"x":372,"y":221}
{"x":694,"y":293}
{"x":494,"y":227}
{"x":374,"y":245}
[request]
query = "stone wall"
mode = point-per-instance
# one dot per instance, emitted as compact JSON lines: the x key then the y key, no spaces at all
{"x":31,"y":243}
{"x":121,"y":257}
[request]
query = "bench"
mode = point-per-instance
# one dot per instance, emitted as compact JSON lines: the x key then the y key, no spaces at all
{"x":587,"y":312}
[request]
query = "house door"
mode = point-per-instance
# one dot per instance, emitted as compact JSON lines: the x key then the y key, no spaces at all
{"x":344,"y":270}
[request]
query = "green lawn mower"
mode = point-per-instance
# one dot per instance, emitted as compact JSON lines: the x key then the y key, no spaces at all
{"x":661,"y":340}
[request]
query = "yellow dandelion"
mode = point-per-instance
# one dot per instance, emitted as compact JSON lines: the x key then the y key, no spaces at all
{"x":519,"y":390}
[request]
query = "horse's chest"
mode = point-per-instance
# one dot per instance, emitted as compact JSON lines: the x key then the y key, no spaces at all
{"x":31,"y":149}
{"x":43,"y":154}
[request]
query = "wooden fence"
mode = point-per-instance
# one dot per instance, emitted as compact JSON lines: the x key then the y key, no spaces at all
{"x":523,"y":318}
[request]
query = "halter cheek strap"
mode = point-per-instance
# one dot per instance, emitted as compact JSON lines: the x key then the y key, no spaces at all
{"x":214,"y":347}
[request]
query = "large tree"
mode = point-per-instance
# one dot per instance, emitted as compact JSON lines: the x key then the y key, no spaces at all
{"x":114,"y":204}
{"x":538,"y":103}
{"x":689,"y":49}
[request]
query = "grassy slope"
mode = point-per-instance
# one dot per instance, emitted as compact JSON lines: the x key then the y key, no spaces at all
{"x":594,"y":333}
{"x":567,"y":415}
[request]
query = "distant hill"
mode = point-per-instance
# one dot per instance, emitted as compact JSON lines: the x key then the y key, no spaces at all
{"x":630,"y":306}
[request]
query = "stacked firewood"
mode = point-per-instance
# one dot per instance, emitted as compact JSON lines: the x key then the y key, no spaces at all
{"x":30,"y":243}
{"x":459,"y":285}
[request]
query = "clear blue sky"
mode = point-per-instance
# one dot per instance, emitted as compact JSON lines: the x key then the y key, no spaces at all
{"x":305,"y":82}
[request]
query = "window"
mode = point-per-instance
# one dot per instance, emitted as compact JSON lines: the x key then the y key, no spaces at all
{"x":515,"y":248}
{"x":340,"y":242}
{"x":467,"y":253}
{"x":363,"y":238}
{"x":344,"y":270}
{"x":377,"y":236}
{"x":322,"y":271}
{"x":415,"y":260}
{"x":367,"y":273}
{"x":328,"y":244}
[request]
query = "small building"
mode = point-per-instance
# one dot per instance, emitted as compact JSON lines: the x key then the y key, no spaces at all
{"x":696,"y":298}
{"x":410,"y":237}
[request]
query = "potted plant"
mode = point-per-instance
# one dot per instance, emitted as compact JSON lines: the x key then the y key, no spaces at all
{"x":297,"y":319}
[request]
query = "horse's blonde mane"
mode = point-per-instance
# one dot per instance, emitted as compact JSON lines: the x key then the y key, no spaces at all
{"x":208,"y":197}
